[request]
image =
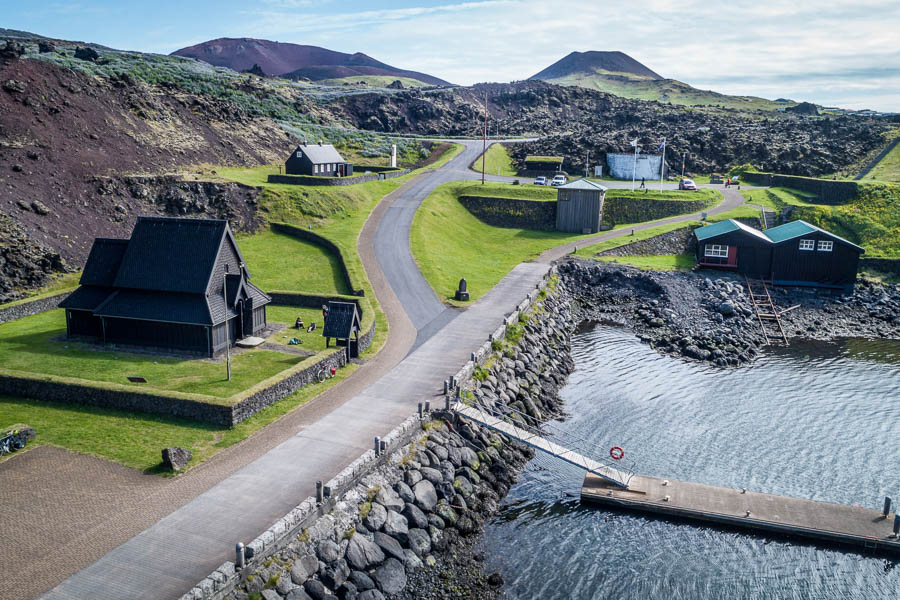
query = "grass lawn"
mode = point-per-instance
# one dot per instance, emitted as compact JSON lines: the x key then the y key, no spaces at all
{"x":480,"y":253}
{"x":27,"y":345}
{"x":135,"y":439}
{"x":282,"y":262}
{"x":494,"y":189}
{"x":887,"y":169}
{"x":497,"y":161}
{"x":667,"y":262}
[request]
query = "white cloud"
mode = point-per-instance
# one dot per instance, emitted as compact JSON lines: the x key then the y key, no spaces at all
{"x":778,"y":48}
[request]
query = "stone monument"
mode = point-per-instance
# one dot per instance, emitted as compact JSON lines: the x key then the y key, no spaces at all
{"x":462,"y":293}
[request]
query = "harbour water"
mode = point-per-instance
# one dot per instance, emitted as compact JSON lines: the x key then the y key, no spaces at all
{"x":813,"y":420}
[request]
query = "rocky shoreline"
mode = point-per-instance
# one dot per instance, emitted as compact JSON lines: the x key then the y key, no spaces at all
{"x":708,"y":315}
{"x":411,"y":528}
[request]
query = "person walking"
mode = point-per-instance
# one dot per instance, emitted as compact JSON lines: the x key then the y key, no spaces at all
{"x":643,"y":184}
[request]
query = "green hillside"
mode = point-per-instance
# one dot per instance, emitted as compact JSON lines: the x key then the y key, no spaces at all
{"x":672,"y":91}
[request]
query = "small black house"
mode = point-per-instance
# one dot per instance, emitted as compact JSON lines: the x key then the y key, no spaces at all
{"x":796,"y":253}
{"x":579,"y":206}
{"x":544,"y":164}
{"x":319,"y":160}
{"x":342,"y":324}
{"x":177,"y":284}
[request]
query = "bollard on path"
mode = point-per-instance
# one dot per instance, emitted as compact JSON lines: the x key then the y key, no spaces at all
{"x":420,"y":410}
{"x":887,"y":506}
{"x":239,"y":556}
{"x":428,"y":406}
{"x":383,"y":446}
{"x":377,"y":445}
{"x":446,"y":402}
{"x":320,"y":495}
{"x":446,"y":386}
{"x":896,"y":525}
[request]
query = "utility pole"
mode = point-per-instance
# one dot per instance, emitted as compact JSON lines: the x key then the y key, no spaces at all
{"x":227,"y":326}
{"x":484,"y":140}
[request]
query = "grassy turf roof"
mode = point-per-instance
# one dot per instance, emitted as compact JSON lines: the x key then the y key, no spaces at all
{"x":535,"y":158}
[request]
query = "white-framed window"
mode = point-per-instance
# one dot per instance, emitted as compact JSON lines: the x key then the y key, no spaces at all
{"x":299,"y":154}
{"x":826,"y":245}
{"x":316,"y":169}
{"x":807,"y":244}
{"x":716,"y":251}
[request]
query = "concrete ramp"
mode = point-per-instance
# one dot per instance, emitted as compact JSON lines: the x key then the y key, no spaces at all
{"x":617,"y":477}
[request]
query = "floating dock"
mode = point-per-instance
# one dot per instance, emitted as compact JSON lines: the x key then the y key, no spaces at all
{"x":857,"y":526}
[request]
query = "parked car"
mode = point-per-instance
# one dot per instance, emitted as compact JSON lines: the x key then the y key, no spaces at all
{"x":541,"y":181}
{"x":559,"y":180}
{"x":687,"y":184}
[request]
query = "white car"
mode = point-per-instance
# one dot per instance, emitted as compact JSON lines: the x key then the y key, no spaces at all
{"x":541,"y":181}
{"x":559,"y":180}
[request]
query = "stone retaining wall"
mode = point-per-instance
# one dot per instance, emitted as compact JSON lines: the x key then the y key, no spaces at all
{"x":889,"y":266}
{"x":827,"y":191}
{"x":507,"y":212}
{"x":679,"y":241}
{"x":31,"y":307}
{"x":637,"y":210}
{"x":310,"y":551}
{"x":337,"y":181}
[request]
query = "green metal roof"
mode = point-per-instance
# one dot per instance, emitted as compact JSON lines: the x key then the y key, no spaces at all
{"x":799,"y":228}
{"x":583,"y":184}
{"x":715,"y":229}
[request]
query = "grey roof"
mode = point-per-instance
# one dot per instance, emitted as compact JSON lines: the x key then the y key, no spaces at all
{"x":103,"y":262}
{"x":582,"y":184}
{"x":86,"y":297}
{"x":320,"y":154}
{"x":166,"y":307}
{"x":342,"y":320}
{"x":171,"y":255}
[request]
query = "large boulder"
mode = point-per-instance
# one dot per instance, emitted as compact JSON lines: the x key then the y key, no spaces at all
{"x":328,"y":551}
{"x":389,"y":545}
{"x":426,"y":496}
{"x":396,"y":526}
{"x":176,"y":458}
{"x":362,"y":553}
{"x":85,"y":53}
{"x":304,"y":568}
{"x":419,"y":541}
{"x":389,"y":499}
{"x":376,"y":517}
{"x":391,"y":576}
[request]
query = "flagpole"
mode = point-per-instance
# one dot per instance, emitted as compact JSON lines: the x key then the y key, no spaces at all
{"x":662,"y":164}
{"x":634,"y":166}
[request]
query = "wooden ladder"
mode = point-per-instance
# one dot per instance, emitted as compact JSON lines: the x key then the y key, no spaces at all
{"x":766,"y":312}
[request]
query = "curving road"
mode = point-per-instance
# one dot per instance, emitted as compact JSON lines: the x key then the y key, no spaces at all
{"x":193,"y":521}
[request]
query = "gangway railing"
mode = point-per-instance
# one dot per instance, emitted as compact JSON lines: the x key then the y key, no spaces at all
{"x":576,"y":454}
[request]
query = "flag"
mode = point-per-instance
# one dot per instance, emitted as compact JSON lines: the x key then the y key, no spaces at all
{"x":634,"y":143}
{"x":662,"y":145}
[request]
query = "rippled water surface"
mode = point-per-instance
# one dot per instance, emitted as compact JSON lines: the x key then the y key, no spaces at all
{"x":818,"y":421}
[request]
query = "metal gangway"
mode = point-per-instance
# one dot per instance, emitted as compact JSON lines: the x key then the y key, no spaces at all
{"x":575,"y":452}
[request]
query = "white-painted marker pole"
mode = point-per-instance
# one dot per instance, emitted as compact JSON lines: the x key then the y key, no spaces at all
{"x":662,"y":164}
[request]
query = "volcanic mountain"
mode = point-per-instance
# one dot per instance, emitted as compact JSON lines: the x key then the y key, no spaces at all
{"x":295,"y":60}
{"x":619,"y":74}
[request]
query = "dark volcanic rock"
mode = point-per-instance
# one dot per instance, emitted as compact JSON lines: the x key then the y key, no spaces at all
{"x":390,"y":576}
{"x":176,"y":458}
{"x":86,"y":53}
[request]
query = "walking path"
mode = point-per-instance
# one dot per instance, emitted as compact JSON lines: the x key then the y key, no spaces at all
{"x":276,"y":468}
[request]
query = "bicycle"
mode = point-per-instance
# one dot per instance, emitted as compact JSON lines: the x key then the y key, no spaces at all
{"x":324,"y":374}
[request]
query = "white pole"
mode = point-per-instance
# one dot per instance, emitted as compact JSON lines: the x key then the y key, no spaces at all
{"x":227,"y":333}
{"x":634,"y":166}
{"x":662,"y":165}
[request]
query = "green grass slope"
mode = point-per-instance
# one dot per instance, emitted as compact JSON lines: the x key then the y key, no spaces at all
{"x":663,"y":90}
{"x":497,"y":161}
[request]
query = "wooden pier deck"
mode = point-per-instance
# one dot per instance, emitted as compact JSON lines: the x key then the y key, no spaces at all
{"x":864,"y":528}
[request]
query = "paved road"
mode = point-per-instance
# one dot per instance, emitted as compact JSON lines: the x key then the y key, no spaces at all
{"x":170,"y":556}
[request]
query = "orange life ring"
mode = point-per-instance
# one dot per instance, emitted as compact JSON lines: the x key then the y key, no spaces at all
{"x":616,"y":453}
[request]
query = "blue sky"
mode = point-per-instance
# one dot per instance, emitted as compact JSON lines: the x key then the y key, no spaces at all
{"x":829,"y":52}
